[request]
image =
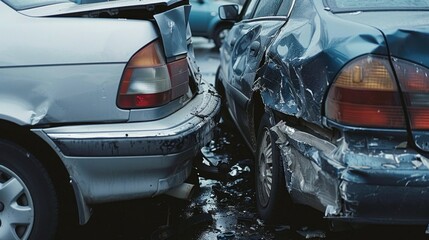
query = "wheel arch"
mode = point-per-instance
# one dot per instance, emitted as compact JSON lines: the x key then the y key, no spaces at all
{"x":58,"y":173}
{"x":257,"y":107}
{"x":256,"y":111}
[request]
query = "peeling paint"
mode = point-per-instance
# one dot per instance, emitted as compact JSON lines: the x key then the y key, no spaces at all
{"x":40,"y":112}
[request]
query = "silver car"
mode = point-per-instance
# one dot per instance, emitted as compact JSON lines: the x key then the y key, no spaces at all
{"x":98,"y":102}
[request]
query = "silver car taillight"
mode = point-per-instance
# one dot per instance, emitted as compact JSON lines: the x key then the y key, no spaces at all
{"x":148,"y":81}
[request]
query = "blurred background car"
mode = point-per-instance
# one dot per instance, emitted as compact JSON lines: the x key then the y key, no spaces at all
{"x":99,"y":103}
{"x":331,"y":97}
{"x":205,"y":22}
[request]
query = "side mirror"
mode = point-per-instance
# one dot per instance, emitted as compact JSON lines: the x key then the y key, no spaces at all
{"x":228,"y":12}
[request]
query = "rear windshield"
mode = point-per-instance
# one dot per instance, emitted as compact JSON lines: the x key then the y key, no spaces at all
{"x":377,"y":5}
{"x":26,"y":4}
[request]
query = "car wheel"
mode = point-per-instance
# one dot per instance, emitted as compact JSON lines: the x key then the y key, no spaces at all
{"x":271,"y":196}
{"x":220,"y":34}
{"x":28,"y":203}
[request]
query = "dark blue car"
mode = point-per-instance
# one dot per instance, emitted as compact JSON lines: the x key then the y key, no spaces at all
{"x":332,"y":97}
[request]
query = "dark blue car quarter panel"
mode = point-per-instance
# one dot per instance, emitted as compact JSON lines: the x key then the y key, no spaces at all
{"x":351,"y":173}
{"x":411,"y":43}
{"x":406,"y":33}
{"x":407,"y":37}
{"x":304,"y":59}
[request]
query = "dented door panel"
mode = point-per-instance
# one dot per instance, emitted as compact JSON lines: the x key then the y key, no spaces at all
{"x":247,"y":42}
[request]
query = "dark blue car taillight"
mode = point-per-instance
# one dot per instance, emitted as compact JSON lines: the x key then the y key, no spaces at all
{"x":365,"y":94}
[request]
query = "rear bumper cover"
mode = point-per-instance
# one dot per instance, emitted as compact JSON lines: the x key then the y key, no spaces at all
{"x":402,"y":201}
{"x":361,"y":178}
{"x":109,"y":162}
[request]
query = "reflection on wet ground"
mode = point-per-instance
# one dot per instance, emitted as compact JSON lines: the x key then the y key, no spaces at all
{"x":229,"y":198}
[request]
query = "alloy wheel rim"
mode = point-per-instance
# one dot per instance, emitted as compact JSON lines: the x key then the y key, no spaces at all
{"x":17,"y":215}
{"x":265,"y":170}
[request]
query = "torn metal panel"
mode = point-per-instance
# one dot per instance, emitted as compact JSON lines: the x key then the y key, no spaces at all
{"x":307,"y":180}
{"x":305,"y":57}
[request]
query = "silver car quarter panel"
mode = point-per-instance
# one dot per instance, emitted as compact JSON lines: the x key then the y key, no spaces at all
{"x":61,"y":94}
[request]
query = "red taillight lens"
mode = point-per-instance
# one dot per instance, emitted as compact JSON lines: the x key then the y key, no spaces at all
{"x":179,"y":73}
{"x":148,"y":81}
{"x":414,"y":82}
{"x":365,"y":95}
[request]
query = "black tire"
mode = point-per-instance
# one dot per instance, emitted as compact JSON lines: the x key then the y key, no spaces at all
{"x":27,"y":196}
{"x":219,"y":34}
{"x":273,"y":202}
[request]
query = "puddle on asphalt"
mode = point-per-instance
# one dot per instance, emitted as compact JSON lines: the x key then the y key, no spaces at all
{"x":229,"y":197}
{"x":227,"y":194}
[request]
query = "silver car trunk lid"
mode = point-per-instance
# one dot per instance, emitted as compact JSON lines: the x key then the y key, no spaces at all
{"x":172,"y":19}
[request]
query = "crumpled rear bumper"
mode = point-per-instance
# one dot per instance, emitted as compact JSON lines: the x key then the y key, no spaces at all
{"x":119,"y":161}
{"x":363,"y":178}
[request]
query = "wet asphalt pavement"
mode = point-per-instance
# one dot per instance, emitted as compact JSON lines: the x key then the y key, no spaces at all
{"x":224,"y":204}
